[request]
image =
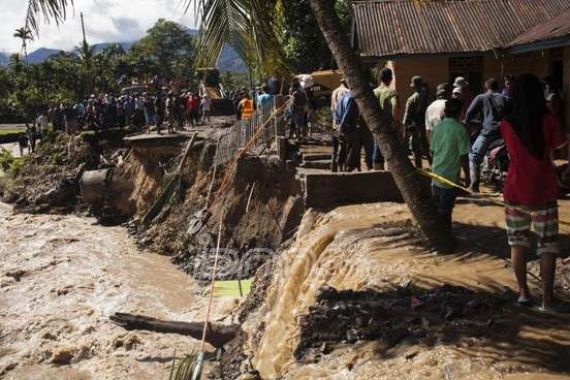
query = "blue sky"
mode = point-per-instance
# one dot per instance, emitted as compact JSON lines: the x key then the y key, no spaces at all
{"x":106,"y":21}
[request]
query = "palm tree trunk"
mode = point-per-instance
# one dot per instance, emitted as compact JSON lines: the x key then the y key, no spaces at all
{"x":417,"y":196}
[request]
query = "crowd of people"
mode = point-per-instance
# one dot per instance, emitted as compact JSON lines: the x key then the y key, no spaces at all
{"x":453,"y":133}
{"x":174,"y":110}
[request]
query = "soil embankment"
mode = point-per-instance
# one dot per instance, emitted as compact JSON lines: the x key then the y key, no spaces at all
{"x":48,"y":181}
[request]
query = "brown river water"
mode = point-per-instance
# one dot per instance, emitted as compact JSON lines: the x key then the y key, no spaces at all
{"x":60,"y":279}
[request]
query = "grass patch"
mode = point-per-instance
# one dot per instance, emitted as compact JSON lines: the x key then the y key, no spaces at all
{"x":12,"y":131}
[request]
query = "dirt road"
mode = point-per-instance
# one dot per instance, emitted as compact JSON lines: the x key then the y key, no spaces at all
{"x":60,"y":279}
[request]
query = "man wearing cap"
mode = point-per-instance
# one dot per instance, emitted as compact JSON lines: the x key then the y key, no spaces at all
{"x":337,"y":94}
{"x":462,"y":91}
{"x":435,"y":111}
{"x":354,"y":135}
{"x":414,"y":120}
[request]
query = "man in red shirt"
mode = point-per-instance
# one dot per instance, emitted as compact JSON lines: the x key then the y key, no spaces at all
{"x":193,"y":108}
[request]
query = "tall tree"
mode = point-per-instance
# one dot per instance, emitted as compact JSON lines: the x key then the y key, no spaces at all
{"x":25,"y":35}
{"x":419,"y":201}
{"x":86,"y":54}
{"x":301,"y":37}
{"x":166,"y":48}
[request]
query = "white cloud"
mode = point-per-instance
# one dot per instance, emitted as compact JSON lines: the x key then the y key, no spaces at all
{"x":105,"y":20}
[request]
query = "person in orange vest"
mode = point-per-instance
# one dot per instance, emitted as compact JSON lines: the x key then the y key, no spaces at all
{"x":245,"y":108}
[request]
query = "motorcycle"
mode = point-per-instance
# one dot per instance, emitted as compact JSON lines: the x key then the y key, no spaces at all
{"x":495,"y":165}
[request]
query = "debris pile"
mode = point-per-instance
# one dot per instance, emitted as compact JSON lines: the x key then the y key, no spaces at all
{"x":428,"y":316}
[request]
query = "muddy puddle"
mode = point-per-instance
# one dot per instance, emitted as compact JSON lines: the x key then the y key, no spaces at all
{"x":60,"y":279}
{"x":435,"y":317}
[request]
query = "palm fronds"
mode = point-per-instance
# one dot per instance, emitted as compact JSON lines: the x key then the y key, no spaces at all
{"x":51,"y":10}
{"x":189,"y":368}
{"x":249,"y":26}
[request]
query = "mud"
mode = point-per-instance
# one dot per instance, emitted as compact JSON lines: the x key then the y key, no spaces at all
{"x":262,"y":186}
{"x":404,"y":315}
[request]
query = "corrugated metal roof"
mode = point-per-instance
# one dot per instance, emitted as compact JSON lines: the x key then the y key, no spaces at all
{"x":401,"y":27}
{"x":558,"y":27}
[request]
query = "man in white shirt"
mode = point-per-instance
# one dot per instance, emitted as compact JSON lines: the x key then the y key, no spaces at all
{"x":337,"y":94}
{"x":434,"y":112}
{"x":42,"y":124}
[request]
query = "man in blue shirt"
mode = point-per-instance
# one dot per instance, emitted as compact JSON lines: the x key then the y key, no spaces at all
{"x":489,"y":108}
{"x":354,"y":134}
{"x":265,"y":102}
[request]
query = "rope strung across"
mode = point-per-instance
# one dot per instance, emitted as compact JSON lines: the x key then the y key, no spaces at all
{"x":488,"y":197}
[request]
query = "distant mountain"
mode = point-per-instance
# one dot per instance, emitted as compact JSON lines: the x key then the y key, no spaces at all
{"x":103,"y":45}
{"x":40,"y":55}
{"x":229,"y":60}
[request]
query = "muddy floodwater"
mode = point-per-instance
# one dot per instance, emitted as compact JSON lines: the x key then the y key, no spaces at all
{"x":479,"y":335}
{"x":60,"y":279}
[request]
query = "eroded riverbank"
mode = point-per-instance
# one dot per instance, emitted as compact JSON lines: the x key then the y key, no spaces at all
{"x":60,"y":279}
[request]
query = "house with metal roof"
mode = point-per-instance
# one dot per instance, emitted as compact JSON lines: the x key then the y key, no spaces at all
{"x":476,"y":39}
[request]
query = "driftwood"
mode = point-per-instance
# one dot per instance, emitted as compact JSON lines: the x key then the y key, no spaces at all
{"x":217,"y":335}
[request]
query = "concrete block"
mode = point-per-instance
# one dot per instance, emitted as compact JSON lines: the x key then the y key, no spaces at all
{"x":320,"y":164}
{"x":329,"y":190}
{"x":316,"y":156}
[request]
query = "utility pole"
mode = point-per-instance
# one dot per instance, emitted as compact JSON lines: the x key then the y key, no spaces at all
{"x":86,"y":58}
{"x":83,"y":28}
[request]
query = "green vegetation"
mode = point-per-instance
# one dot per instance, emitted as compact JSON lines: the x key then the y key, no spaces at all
{"x":11,"y":165}
{"x":68,"y":77}
{"x":11,"y":131}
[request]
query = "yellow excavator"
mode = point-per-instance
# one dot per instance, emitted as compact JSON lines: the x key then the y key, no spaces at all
{"x":211,"y":85}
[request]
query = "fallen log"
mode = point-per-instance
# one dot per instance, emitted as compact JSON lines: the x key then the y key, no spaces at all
{"x":217,"y":335}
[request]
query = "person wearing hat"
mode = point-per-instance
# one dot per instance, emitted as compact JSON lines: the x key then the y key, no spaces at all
{"x":414,"y":120}
{"x":449,"y":150}
{"x":337,"y":94}
{"x":435,"y":111}
{"x":462,"y":91}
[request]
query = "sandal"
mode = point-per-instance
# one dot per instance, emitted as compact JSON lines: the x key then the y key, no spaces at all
{"x":524,"y":301}
{"x":559,"y":308}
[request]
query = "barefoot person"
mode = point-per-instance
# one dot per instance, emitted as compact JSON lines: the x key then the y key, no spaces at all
{"x":532,"y":134}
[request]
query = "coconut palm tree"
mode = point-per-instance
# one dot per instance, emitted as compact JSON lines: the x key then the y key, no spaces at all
{"x":250,"y":27}
{"x":25,"y":35}
{"x":86,"y":54}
